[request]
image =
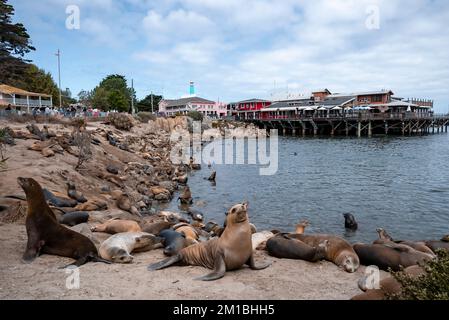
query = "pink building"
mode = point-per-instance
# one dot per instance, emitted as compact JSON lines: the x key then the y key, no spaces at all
{"x":208,"y":108}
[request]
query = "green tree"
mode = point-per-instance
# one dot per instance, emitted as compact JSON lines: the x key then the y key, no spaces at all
{"x":14,"y":44}
{"x":100,"y":99}
{"x":145,"y":103}
{"x":113,"y":94}
{"x":85,"y":97}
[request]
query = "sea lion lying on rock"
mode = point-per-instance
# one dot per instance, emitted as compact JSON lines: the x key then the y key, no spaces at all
{"x":73,"y":218}
{"x":59,"y":201}
{"x":75,"y":195}
{"x":118,"y":248}
{"x":190,"y":232}
{"x":46,"y":235}
{"x":229,"y":252}
{"x":156,"y":227}
{"x":283,"y":246}
{"x":435,"y":245}
{"x":94,"y":204}
{"x":339,"y":251}
{"x":114,"y":226}
{"x":389,"y":255}
{"x":385,"y":238}
{"x":174,"y":242}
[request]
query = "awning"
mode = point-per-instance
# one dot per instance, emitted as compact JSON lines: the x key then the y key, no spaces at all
{"x":337,"y":108}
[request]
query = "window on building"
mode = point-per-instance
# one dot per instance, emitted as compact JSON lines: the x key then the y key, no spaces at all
{"x":377,"y":98}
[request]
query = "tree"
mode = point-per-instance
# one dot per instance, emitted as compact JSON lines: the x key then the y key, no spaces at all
{"x":112,"y":94}
{"x":85,"y":97}
{"x":145,"y":103}
{"x":14,"y":44}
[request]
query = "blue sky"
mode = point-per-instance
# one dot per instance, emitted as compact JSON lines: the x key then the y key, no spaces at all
{"x":235,"y":50}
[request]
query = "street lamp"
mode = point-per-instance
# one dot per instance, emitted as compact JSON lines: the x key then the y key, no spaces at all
{"x":58,"y":54}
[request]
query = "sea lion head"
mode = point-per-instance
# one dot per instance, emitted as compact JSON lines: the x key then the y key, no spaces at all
{"x":71,"y":185}
{"x":31,"y":187}
{"x":383,"y":234}
{"x":445,"y":238}
{"x":237,"y":214}
{"x":349,"y":263}
{"x":147,"y":240}
{"x":121,"y":256}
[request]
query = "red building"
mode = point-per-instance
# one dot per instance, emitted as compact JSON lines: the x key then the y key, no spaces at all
{"x":247,"y":109}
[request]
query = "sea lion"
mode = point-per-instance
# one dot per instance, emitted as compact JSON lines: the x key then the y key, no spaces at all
{"x":350,"y":222}
{"x":339,"y":251}
{"x":259,"y":239}
{"x":389,"y":255}
{"x":190,"y":232}
{"x":183,"y":179}
{"x":435,"y":245}
{"x":196,"y":215}
{"x":186,"y":196}
{"x":383,"y":235}
{"x":193,"y":165}
{"x":229,"y":252}
{"x":123,"y":202}
{"x":283,"y":246}
{"x":46,"y":235}
{"x":213,"y":228}
{"x":94,"y":204}
{"x":59,"y":201}
{"x":72,"y":193}
{"x":114,"y":226}
{"x":118,"y":247}
{"x":73,"y":218}
{"x":385,"y":238}
{"x":212,"y":176}
{"x":156,"y":227}
{"x":173,"y":241}
{"x":387,"y":286}
{"x":301,"y":227}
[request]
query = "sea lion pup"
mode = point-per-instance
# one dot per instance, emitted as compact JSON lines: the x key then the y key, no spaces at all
{"x":350,"y":222}
{"x":114,"y":226}
{"x":259,"y":239}
{"x":186,"y":196}
{"x":118,"y":247}
{"x":385,"y":238}
{"x":212,"y":176}
{"x":283,"y":246}
{"x":173,"y":242}
{"x":73,"y":218}
{"x":387,"y":286}
{"x":389,"y":255}
{"x":72,"y":193}
{"x":46,"y":235}
{"x":339,"y":251}
{"x":229,"y":252}
{"x":301,"y":227}
{"x":59,"y":201}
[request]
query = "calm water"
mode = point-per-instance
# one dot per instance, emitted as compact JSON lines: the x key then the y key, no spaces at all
{"x":401,"y":184}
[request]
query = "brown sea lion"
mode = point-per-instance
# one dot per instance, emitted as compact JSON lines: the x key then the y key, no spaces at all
{"x":190,"y":232}
{"x":283,"y":246}
{"x":74,"y":218}
{"x":186,"y":196}
{"x":114,"y":226}
{"x":389,"y":255}
{"x":388,"y":286}
{"x":156,"y":227}
{"x":385,"y":238}
{"x":229,"y":252}
{"x":94,"y":204}
{"x":174,"y":241}
{"x":76,"y":195}
{"x":301,"y":227}
{"x":57,"y":201}
{"x":435,"y":245}
{"x":46,"y":235}
{"x":339,"y":251}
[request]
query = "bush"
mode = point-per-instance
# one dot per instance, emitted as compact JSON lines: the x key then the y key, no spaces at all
{"x":144,"y":117}
{"x":195,"y":115}
{"x":434,"y":285}
{"x":121,"y":121}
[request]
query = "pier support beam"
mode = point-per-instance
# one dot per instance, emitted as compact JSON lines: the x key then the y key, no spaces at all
{"x":359,"y":129}
{"x":386,"y":128}
{"x":347,"y":128}
{"x":370,"y":130}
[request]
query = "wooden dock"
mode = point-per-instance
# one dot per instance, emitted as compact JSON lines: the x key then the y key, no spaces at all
{"x":354,"y":124}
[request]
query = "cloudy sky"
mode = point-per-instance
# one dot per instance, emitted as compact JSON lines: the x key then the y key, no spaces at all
{"x":239,"y":49}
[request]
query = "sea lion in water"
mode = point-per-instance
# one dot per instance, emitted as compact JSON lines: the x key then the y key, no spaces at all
{"x":229,"y":252}
{"x":59,"y":201}
{"x":76,"y":195}
{"x":389,"y":255}
{"x":212,"y":176}
{"x":118,"y":247}
{"x":186,"y":196}
{"x":387,"y":286}
{"x":339,"y":251}
{"x":283,"y":246}
{"x":114,"y":226}
{"x":73,"y":218}
{"x":350,"y":222}
{"x":173,"y":241}
{"x":301,"y":227}
{"x":46,"y":235}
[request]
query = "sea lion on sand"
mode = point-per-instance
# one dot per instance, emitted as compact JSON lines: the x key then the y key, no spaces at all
{"x":350,"y":222}
{"x":186,"y":196}
{"x":229,"y":252}
{"x":339,"y":251}
{"x":173,"y":241}
{"x":94,"y":204}
{"x":46,"y":235}
{"x":156,"y":227}
{"x":389,"y":255}
{"x":73,"y":218}
{"x":76,"y":195}
{"x":118,"y":247}
{"x":387,"y":286}
{"x":59,"y":201}
{"x":301,"y":227}
{"x":114,"y":226}
{"x":283,"y":246}
{"x":259,"y":239}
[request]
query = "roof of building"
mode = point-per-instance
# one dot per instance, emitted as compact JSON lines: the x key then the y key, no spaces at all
{"x":184,"y":101}
{"x":13,"y":90}
{"x":368,"y":93}
{"x":253,"y":100}
{"x":336,"y":100}
{"x":321,"y":91}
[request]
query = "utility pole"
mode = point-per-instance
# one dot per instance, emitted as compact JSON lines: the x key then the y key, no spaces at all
{"x":152,"y":109}
{"x":58,"y":54}
{"x":132,"y":96}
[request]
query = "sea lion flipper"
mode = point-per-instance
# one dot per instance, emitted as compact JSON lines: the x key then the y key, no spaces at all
{"x":219,"y":270}
{"x":164,"y":263}
{"x":252,"y":264}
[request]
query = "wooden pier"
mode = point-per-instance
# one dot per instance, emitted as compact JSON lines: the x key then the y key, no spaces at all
{"x":355,"y":124}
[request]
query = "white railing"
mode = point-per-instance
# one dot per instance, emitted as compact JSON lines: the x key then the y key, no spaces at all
{"x":23,"y":102}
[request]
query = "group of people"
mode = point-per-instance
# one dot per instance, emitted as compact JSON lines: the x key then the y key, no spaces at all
{"x":70,"y":111}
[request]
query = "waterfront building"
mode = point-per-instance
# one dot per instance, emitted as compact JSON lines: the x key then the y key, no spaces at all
{"x":23,"y":100}
{"x":183,"y":106}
